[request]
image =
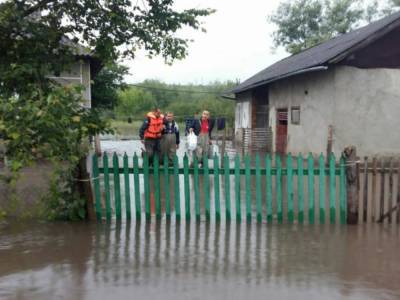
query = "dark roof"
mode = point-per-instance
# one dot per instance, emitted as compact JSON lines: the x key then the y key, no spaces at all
{"x":329,"y":52}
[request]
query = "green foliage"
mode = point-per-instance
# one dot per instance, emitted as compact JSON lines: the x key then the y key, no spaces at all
{"x":302,"y":24}
{"x":182,"y":100}
{"x":39,"y":38}
{"x":49,"y":125}
{"x":63,"y":202}
{"x":134,"y":102}
{"x":106,"y":85}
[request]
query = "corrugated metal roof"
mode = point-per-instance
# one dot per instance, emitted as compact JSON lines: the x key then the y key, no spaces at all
{"x":323,"y":54}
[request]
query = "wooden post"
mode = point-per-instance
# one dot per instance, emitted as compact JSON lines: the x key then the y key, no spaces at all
{"x":85,"y":189}
{"x":350,"y":156}
{"x":329,"y":143}
{"x":97,"y":145}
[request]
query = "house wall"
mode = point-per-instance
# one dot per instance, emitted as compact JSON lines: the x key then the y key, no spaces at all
{"x":243,"y":110}
{"x":362,"y":105}
{"x":79,"y":74}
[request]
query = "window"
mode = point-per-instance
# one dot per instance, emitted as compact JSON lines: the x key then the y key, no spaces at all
{"x":295,"y":115}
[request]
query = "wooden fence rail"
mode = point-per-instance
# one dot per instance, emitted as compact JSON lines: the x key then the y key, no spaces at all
{"x":269,"y":188}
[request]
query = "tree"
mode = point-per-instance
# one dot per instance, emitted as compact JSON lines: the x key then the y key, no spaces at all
{"x":39,"y":38}
{"x":106,"y":85}
{"x":134,"y":102}
{"x":302,"y":24}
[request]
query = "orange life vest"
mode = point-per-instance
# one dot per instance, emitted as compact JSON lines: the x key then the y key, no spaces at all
{"x":155,"y":127}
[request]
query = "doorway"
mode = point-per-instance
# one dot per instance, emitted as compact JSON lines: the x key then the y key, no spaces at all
{"x":281,"y":130}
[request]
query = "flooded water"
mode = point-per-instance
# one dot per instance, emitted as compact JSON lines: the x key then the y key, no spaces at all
{"x":198,"y":261}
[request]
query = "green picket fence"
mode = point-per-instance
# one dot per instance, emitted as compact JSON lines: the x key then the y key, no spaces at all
{"x":268,"y":184}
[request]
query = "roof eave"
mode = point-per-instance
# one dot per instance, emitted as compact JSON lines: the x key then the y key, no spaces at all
{"x":261,"y":83}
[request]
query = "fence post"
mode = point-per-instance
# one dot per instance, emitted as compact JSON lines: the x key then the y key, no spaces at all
{"x":258,"y":189}
{"x":300,"y":188}
{"x":96,"y":183}
{"x":117,"y":191}
{"x":268,"y":179}
{"x":227,"y":188}
{"x":127,"y":188}
{"x":237,"y":189}
{"x":138,"y":207}
{"x":350,"y":156}
{"x":196,"y":187}
{"x":107,"y":186}
{"x":217,"y":203}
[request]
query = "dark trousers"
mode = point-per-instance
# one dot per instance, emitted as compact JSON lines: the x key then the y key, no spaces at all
{"x":152,"y":147}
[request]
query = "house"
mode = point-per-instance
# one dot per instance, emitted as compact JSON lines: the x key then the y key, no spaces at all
{"x":345,"y":91}
{"x":81,"y":72}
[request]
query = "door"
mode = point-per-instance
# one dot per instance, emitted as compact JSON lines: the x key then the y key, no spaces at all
{"x":281,"y":130}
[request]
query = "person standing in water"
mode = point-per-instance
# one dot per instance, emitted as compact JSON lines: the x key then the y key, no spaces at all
{"x":170,"y":138}
{"x":150,"y":133}
{"x":202,"y":128}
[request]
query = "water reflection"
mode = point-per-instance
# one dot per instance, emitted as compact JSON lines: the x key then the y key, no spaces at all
{"x":191,"y":260}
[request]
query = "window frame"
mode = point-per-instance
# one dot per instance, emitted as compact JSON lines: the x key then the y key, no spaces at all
{"x":292,"y":111}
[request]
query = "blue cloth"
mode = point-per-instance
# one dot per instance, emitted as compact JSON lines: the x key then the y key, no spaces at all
{"x":221,"y":123}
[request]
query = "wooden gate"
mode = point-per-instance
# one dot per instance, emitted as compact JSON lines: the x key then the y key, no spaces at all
{"x":290,"y":189}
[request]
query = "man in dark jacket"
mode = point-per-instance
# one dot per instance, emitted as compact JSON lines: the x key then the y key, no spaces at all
{"x":170,"y":137}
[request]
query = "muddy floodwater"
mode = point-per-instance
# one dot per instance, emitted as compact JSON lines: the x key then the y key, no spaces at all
{"x":198,"y":261}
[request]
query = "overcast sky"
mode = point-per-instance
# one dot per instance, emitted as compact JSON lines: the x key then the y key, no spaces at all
{"x":237,"y":44}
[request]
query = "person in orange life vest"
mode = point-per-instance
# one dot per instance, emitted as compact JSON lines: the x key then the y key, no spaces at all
{"x":150,"y":133}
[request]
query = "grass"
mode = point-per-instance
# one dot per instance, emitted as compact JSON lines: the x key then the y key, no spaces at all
{"x":124,"y":128}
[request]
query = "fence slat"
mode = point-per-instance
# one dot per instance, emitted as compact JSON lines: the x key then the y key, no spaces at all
{"x":248,"y":188}
{"x":196,"y":187}
{"x":268,"y":179}
{"x":391,"y":190}
{"x":290,"y":188}
{"x":279,"y":188}
{"x":332,"y":189}
{"x":374,"y":216}
{"x":137,"y":187}
{"x":398,"y":193}
{"x":321,"y":189}
{"x":300,"y":188}
{"x":156,"y":186}
{"x":107,"y":186}
{"x":167,"y":188}
{"x":177,"y":196}
{"x":342,"y":191}
{"x":227,"y":189}
{"x":237,"y":189}
{"x":117,"y":187}
{"x":365,"y":190}
{"x":382,"y":191}
{"x":187,"y":186}
{"x":206,"y":187}
{"x":311,"y":202}
{"x":146,"y":186}
{"x":127,"y":188}
{"x":258,"y":189}
{"x":216,"y":189}
{"x":96,"y":183}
